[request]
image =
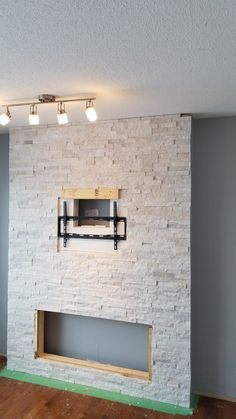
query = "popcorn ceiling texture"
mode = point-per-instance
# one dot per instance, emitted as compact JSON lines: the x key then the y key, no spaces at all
{"x":147,"y":281}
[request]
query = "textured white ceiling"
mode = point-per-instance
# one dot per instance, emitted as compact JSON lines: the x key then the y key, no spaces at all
{"x":140,"y":57}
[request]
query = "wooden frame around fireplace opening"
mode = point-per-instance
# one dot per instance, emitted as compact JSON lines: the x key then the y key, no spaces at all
{"x":127,"y":372}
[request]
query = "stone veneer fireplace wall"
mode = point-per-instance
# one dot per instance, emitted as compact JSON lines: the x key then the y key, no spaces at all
{"x":146,"y":281}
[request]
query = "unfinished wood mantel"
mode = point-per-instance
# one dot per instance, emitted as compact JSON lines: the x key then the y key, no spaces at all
{"x":111,"y":193}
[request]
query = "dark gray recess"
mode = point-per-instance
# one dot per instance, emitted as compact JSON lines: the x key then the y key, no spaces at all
{"x":113,"y":342}
{"x":92,"y":207}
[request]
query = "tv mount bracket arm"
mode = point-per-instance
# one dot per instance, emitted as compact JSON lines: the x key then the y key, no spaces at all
{"x":65,"y":235}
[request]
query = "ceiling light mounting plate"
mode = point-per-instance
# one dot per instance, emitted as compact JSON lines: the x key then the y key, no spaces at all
{"x":46,"y":98}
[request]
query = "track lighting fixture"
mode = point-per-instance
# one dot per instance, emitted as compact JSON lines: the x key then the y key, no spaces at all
{"x":90,"y":111}
{"x":62,"y":116}
{"x":5,"y":117}
{"x":33,"y":116}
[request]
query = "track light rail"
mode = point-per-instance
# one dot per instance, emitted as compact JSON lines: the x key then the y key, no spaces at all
{"x":44,"y":99}
{"x":41,"y":102}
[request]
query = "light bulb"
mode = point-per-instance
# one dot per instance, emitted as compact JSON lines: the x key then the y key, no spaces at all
{"x":33,"y":116}
{"x":5,"y":117}
{"x":34,"y":119}
{"x":62,"y":116}
{"x":90,"y":111}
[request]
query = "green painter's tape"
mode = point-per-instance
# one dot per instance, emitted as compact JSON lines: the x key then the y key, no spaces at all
{"x":102,"y":394}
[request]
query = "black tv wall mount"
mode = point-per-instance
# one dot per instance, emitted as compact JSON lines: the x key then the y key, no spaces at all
{"x":65,"y":235}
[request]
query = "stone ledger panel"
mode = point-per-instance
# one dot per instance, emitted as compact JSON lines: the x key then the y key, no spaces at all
{"x":147,"y":281}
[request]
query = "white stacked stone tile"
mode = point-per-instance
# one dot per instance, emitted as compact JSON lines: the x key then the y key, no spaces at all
{"x":148,"y":281}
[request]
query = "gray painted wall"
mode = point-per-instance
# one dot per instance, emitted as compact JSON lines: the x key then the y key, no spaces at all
{"x":118,"y":343}
{"x":214,"y":256}
{"x":4,"y":207}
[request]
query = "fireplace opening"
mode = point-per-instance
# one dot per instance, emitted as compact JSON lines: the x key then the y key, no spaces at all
{"x":88,"y":342}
